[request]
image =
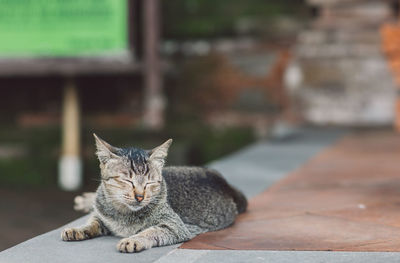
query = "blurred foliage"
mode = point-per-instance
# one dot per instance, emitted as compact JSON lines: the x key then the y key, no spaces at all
{"x":194,"y":144}
{"x":38,"y":165}
{"x":193,"y":90}
{"x":184,"y":19}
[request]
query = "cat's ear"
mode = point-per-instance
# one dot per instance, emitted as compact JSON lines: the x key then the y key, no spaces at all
{"x":104,"y":150}
{"x":158,"y":154}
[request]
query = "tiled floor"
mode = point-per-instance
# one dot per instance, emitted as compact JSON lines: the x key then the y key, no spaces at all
{"x":346,"y":198}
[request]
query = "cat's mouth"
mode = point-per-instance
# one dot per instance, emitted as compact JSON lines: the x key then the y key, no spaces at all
{"x":135,"y":206}
{"x":131,"y":203}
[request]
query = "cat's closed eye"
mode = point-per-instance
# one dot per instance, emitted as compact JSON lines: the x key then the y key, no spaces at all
{"x":152,"y":185}
{"x":129,"y":182}
{"x":125,"y":174}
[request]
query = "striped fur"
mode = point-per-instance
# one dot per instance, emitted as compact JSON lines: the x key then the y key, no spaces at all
{"x":149,"y":205}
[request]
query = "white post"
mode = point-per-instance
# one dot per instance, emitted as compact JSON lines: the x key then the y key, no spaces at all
{"x":154,"y":102}
{"x":70,"y":164}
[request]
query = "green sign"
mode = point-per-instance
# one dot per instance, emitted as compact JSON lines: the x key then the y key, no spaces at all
{"x":62,"y":27}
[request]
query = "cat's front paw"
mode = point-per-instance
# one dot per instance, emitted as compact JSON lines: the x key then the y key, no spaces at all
{"x":133,"y":244}
{"x":73,"y":234}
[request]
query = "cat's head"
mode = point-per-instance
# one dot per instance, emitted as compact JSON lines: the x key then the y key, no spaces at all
{"x":131,"y":176}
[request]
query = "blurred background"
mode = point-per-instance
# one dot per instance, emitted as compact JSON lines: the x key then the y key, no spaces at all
{"x":213,"y":75}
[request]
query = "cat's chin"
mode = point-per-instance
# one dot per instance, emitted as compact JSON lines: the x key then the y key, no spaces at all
{"x":133,"y":206}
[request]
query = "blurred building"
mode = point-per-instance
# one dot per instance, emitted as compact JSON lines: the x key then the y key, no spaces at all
{"x":340,"y":75}
{"x":60,"y":43}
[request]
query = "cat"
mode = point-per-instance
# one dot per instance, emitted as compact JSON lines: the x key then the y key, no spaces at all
{"x":149,"y":205}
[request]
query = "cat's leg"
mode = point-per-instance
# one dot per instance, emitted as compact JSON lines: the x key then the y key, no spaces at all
{"x":93,"y":228}
{"x":160,"y":235}
{"x":84,"y":203}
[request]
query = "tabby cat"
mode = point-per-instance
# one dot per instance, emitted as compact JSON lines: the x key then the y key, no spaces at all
{"x":149,"y":205}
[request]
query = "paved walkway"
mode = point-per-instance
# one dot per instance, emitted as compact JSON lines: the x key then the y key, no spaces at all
{"x":251,"y":170}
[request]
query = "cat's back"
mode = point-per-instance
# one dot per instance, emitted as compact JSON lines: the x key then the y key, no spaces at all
{"x":202,"y":197}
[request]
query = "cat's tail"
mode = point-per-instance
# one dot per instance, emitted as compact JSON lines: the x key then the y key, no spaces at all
{"x":240,"y":200}
{"x":84,"y":203}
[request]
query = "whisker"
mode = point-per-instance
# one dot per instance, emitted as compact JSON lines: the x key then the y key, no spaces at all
{"x":114,"y":195}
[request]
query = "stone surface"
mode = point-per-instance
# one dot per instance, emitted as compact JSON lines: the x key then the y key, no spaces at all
{"x":49,"y":248}
{"x":244,"y":256}
{"x":345,"y":199}
{"x":257,"y":167}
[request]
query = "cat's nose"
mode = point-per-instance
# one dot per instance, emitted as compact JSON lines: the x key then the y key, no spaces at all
{"x":139,"y":198}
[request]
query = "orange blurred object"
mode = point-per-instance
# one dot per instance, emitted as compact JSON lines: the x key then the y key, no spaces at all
{"x":391,"y":47}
